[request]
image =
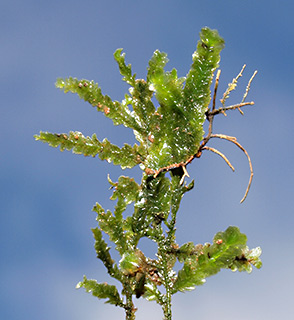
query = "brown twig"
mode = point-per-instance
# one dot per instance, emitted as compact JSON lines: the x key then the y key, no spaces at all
{"x":232,"y":107}
{"x":186,"y":174}
{"x":234,"y":140}
{"x":232,"y":86}
{"x":215,"y":88}
{"x":248,"y":86}
{"x":220,"y":154}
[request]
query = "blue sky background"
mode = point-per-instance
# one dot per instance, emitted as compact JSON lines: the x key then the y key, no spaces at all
{"x":46,"y":196}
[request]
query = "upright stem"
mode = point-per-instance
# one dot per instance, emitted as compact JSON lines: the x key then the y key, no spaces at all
{"x":168,"y":242}
{"x":167,"y":284}
{"x":129,"y":306}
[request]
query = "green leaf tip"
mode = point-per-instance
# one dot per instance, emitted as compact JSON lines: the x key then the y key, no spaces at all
{"x":205,"y":62}
{"x":156,"y":65}
{"x":125,"y":70}
{"x":211,"y":40}
{"x":60,"y":83}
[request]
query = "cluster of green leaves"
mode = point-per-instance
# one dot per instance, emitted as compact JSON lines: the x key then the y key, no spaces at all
{"x":228,"y":251}
{"x":168,"y":135}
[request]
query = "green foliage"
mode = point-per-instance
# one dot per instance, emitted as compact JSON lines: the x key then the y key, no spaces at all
{"x":101,"y":291}
{"x":132,"y":261}
{"x":90,"y":92}
{"x":199,"y":78}
{"x":228,"y":251}
{"x":126,"y":157}
{"x":170,"y":135}
{"x":183,"y":102}
{"x":125,"y":70}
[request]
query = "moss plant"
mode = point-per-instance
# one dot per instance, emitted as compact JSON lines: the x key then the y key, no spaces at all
{"x":170,"y":136}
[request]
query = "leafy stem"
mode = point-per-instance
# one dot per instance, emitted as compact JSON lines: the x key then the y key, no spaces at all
{"x":169,"y":136}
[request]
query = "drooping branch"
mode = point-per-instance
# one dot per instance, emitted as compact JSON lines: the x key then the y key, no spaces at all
{"x":221,"y":155}
{"x":210,"y":114}
{"x":234,"y":140}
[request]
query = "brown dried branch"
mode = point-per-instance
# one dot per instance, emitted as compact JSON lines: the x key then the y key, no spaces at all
{"x":186,"y":174}
{"x":221,"y":155}
{"x":211,"y":113}
{"x":234,"y":140}
{"x":248,"y":86}
{"x":232,"y":86}
{"x":232,"y":107}
{"x":215,"y":88}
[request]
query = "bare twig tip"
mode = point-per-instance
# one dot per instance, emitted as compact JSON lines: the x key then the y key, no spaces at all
{"x":221,"y":155}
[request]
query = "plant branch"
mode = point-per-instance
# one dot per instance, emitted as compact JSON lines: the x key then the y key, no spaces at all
{"x":232,"y":107}
{"x":215,"y":88}
{"x":248,"y":86}
{"x":232,"y":86}
{"x":234,"y":140}
{"x":220,"y":154}
{"x":170,"y":137}
{"x":210,"y":117}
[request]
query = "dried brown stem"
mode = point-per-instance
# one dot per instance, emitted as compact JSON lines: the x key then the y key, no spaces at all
{"x":215,"y":88}
{"x":221,"y":155}
{"x":211,"y":113}
{"x":232,"y":86}
{"x":232,"y":107}
{"x":248,"y":86}
{"x":186,"y":174}
{"x":234,"y":140}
